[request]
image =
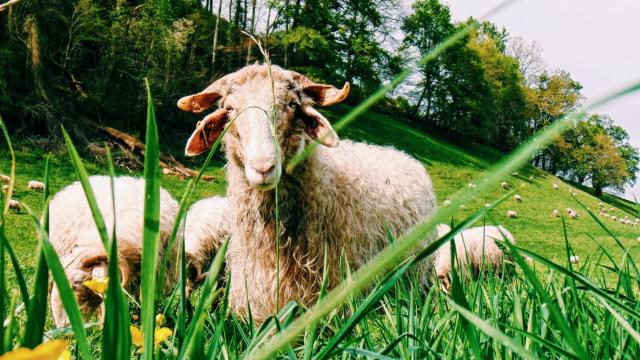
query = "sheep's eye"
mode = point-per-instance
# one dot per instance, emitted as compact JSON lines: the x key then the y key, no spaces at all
{"x":293,"y":104}
{"x":229,"y":108}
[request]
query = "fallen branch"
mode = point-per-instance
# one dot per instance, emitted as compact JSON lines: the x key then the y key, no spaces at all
{"x":169,"y":163}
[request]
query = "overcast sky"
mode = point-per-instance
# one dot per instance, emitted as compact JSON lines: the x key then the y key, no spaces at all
{"x":596,"y":41}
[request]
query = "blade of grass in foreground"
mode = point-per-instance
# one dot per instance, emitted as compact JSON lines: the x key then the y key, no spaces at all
{"x":390,"y":255}
{"x":151,"y":230}
{"x":37,"y":314}
{"x":116,"y":334}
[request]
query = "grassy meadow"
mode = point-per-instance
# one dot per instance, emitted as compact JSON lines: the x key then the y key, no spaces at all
{"x":527,"y":315}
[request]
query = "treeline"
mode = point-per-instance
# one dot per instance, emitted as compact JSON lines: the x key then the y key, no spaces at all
{"x":72,"y":61}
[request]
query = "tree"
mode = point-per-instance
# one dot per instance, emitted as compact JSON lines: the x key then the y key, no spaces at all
{"x":529,"y":57}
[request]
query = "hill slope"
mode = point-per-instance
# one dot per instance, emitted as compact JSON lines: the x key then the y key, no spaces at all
{"x":450,"y":166}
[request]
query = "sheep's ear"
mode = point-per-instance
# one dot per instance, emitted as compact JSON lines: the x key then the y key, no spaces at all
{"x":318,"y":127}
{"x":207,"y":132}
{"x":198,"y":102}
{"x":322,"y":94}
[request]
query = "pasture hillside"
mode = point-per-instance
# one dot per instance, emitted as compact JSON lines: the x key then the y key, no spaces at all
{"x":451,"y":167}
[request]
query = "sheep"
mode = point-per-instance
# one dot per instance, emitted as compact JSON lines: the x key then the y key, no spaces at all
{"x":475,"y":247}
{"x":515,"y":174}
{"x":512,"y":214}
{"x":530,"y":178}
{"x":446,"y":203}
{"x":601,"y":205}
{"x":504,"y":185}
{"x":35,"y":185}
{"x":556,"y":186}
{"x":574,"y":259}
{"x":471,"y":186}
{"x":15,"y":205}
{"x":207,"y":225}
{"x":74,"y":236}
{"x":517,"y":198}
{"x":5,"y":179}
{"x":555,"y":213}
{"x":614,"y":218}
{"x":574,"y":215}
{"x":340,"y":198}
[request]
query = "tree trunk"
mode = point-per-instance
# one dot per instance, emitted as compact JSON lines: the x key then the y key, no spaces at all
{"x":252,"y":29}
{"x":215,"y":35}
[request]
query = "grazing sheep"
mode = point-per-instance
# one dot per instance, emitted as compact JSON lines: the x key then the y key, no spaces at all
{"x":341,"y":198}
{"x":512,"y":214}
{"x":207,"y":226}
{"x":572,"y":214}
{"x":471,"y":186}
{"x":574,"y":259}
{"x":504,"y":185}
{"x":614,"y":218}
{"x":15,"y":205}
{"x":475,"y":247}
{"x":515,"y":174}
{"x":530,"y":178}
{"x":517,"y":198}
{"x":74,"y":235}
{"x":556,"y":186}
{"x":5,"y":178}
{"x":555,"y":213}
{"x":446,"y":203}
{"x":601,"y":205}
{"x":35,"y":185}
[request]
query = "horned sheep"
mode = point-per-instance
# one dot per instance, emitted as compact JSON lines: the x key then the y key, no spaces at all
{"x":342,"y":198}
{"x":475,"y":247}
{"x":75,"y":237}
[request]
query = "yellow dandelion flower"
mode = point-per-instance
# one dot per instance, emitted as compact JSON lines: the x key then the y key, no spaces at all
{"x":161,"y":334}
{"x":51,"y":350}
{"x":98,"y":285}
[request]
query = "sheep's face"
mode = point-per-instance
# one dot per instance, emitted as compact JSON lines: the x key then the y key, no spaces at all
{"x":269,"y":121}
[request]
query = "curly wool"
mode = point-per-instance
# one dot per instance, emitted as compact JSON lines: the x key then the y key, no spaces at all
{"x":74,"y":235}
{"x":207,"y":226}
{"x":340,"y":199}
{"x":475,"y":247}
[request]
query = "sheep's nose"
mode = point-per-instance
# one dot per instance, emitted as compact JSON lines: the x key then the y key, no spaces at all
{"x":264,"y":169}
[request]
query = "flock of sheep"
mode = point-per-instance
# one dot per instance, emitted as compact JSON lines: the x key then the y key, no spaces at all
{"x":336,"y":208}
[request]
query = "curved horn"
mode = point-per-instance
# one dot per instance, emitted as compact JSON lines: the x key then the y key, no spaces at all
{"x":206,"y":98}
{"x":322,"y":94}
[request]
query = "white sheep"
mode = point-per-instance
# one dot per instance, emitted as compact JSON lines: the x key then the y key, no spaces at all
{"x":15,"y":205}
{"x":207,"y":226}
{"x":5,"y":179}
{"x":475,"y":247}
{"x":572,"y":214}
{"x":517,"y":198}
{"x":504,"y":185}
{"x":512,"y":214}
{"x":515,"y":174}
{"x":341,"y":199}
{"x":74,"y":235}
{"x":574,"y":259}
{"x":614,"y":218}
{"x":530,"y":178}
{"x":35,"y":185}
{"x":555,"y":213}
{"x":556,"y":186}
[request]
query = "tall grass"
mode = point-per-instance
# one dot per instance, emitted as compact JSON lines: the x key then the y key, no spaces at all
{"x":544,"y":310}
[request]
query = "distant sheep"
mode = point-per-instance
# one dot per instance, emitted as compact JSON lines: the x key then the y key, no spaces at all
{"x":504,"y":185}
{"x":446,"y":203}
{"x":207,"y":226}
{"x":555,"y":213}
{"x":475,"y":247}
{"x":15,"y":205}
{"x":530,"y":178}
{"x":5,"y":178}
{"x":515,"y":174}
{"x":35,"y":185}
{"x":517,"y":198}
{"x":73,"y":234}
{"x":512,"y":214}
{"x":572,"y":213}
{"x":556,"y":186}
{"x":574,"y":259}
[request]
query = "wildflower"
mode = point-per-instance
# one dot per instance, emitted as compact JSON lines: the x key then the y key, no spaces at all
{"x":51,"y":350}
{"x":160,"y":335}
{"x":99,"y":285}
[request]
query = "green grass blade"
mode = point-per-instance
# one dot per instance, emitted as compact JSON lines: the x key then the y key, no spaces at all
{"x":17,"y":270}
{"x":6,"y":197}
{"x":116,"y":334}
{"x":37,"y":314}
{"x":492,"y":332}
{"x":151,"y":231}
{"x":195,"y":331}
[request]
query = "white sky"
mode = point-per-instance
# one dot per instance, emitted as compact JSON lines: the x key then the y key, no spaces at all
{"x":596,"y":41}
